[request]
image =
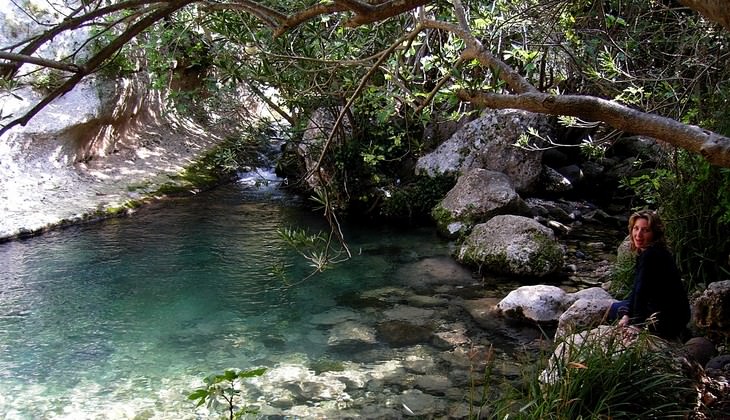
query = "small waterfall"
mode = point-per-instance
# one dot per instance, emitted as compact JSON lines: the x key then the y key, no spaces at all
{"x":260,"y":181}
{"x":263,"y":180}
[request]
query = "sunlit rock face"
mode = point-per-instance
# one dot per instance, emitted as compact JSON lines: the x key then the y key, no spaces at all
{"x":81,"y":153}
{"x":488,"y":143}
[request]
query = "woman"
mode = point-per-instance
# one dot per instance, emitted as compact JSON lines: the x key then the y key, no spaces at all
{"x":658,"y":298}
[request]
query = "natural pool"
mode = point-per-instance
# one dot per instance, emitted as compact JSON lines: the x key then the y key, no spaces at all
{"x":122,"y":319}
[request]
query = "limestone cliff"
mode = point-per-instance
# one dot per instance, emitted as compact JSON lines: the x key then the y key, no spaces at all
{"x":101,"y":144}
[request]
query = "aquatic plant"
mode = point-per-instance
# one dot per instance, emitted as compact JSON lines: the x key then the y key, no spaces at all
{"x":224,"y":391}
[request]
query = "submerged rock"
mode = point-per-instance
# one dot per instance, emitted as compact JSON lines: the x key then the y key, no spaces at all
{"x":351,"y":334}
{"x":427,"y":274}
{"x":398,"y":333}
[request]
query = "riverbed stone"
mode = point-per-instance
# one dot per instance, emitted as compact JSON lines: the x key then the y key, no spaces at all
{"x":351,"y":333}
{"x":583,"y":313}
{"x":711,"y":311}
{"x":335,"y":316}
{"x":513,"y":245}
{"x":419,"y":363}
{"x":428,"y":273}
{"x":539,"y":303}
{"x":433,"y":384}
{"x":484,"y":311}
{"x":397,"y":333}
{"x":417,"y":403}
{"x":474,"y":358}
{"x":295,"y":384}
{"x":412,"y":314}
{"x":478,"y":195}
{"x":455,"y":336}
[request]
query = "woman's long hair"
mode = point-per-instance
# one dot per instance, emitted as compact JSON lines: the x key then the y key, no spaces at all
{"x":655,"y":224}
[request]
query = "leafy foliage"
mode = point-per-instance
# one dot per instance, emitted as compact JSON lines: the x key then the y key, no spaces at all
{"x":694,"y":199}
{"x":223,"y":391}
{"x":604,"y":379}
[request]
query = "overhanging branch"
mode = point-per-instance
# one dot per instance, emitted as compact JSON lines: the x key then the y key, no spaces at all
{"x":714,"y":147}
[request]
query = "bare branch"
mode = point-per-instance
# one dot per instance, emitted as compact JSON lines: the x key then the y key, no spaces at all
{"x":714,"y":147}
{"x":269,"y":16}
{"x":20,"y":58}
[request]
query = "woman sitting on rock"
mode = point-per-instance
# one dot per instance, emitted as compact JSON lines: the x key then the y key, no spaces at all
{"x":658,"y":298}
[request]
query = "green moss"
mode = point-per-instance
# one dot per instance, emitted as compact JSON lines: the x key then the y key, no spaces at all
{"x":416,"y":199}
{"x":442,"y":216}
{"x":548,"y":253}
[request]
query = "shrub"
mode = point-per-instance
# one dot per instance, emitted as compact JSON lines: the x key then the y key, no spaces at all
{"x":604,"y":378}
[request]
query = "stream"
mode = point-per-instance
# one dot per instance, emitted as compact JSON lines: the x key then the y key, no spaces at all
{"x":124,"y":318}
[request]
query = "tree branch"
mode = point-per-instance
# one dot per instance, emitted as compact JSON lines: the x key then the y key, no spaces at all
{"x":269,"y":16}
{"x":384,"y":11}
{"x":70,"y":24}
{"x":20,"y":59}
{"x":305,"y":15}
{"x":95,"y":61}
{"x":475,"y":50}
{"x":359,"y":89}
{"x":714,"y":147}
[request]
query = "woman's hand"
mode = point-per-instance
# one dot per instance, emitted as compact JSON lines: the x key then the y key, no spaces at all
{"x":624,"y":321}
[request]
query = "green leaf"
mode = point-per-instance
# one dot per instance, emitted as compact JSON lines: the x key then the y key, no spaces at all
{"x":252,"y":373}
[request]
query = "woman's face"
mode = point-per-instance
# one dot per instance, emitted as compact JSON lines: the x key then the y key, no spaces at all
{"x":641,"y":234}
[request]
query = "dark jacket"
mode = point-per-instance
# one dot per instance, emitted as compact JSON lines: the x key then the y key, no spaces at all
{"x":658,"y":289}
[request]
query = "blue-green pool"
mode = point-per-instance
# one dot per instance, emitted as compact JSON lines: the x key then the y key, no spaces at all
{"x":120,"y":319}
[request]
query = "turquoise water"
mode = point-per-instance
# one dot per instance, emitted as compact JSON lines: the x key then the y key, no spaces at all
{"x":123,"y":318}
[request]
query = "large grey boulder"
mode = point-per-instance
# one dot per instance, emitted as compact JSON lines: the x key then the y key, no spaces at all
{"x":488,"y":143}
{"x":513,"y":245}
{"x":477,"y":196}
{"x":583,"y":314}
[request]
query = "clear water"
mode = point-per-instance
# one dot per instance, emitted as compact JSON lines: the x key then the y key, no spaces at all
{"x":123,"y":318}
